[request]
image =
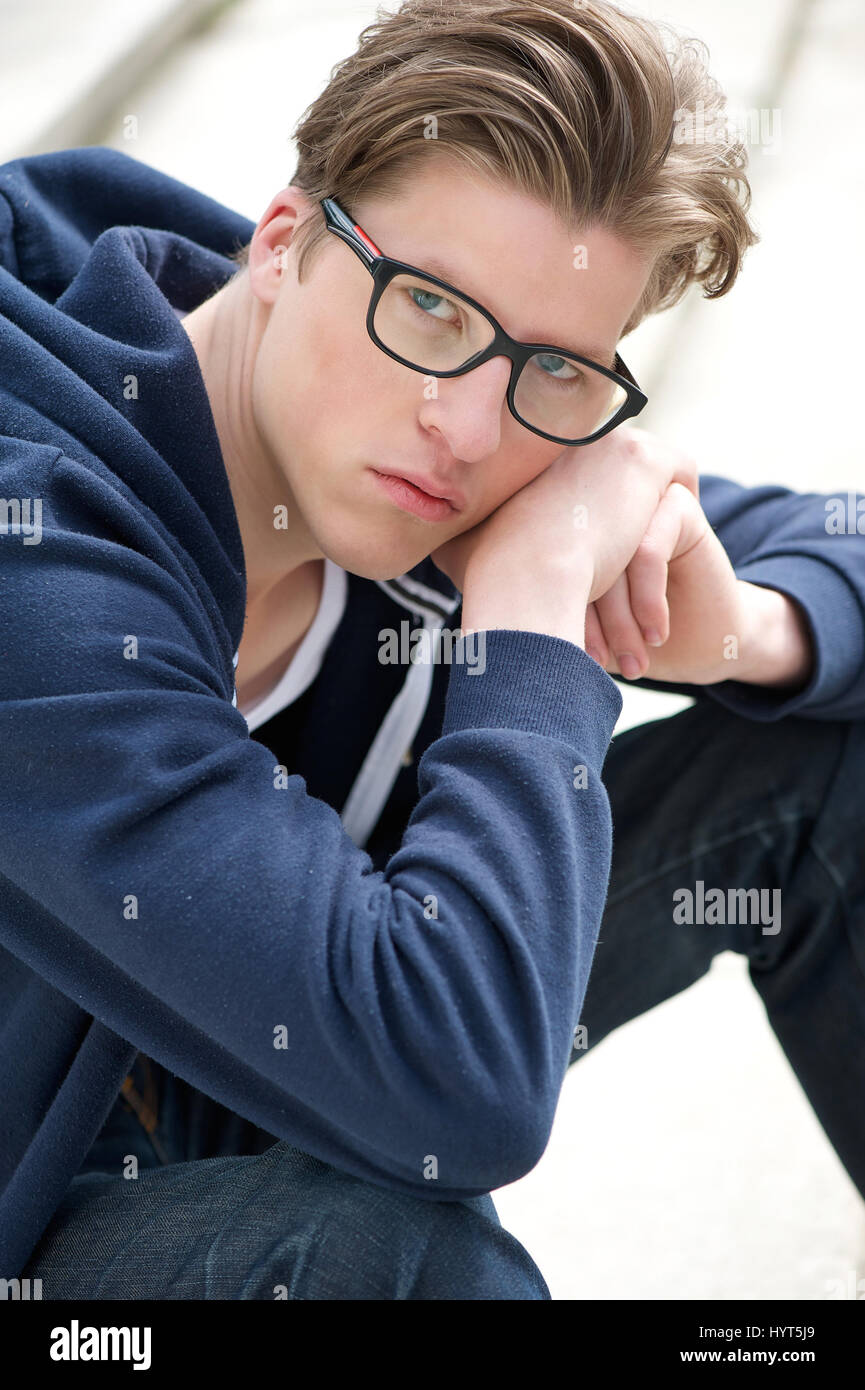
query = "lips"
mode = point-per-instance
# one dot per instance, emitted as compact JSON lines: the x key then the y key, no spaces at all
{"x":415,"y":500}
{"x":428,"y":485}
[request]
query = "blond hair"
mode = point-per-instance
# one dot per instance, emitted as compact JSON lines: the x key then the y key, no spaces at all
{"x":572,"y":102}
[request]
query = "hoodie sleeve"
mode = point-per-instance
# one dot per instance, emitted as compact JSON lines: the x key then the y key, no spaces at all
{"x":810,"y":546}
{"x":412,"y":1025}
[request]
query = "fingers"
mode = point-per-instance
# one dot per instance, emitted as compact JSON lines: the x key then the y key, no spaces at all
{"x":648,"y":573}
{"x":677,"y":466}
{"x":687,"y":474}
{"x":595,"y":644}
{"x":634,"y":613}
{"x":620,"y":632}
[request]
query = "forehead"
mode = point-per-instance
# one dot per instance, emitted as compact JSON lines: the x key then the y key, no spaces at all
{"x":572,"y":287}
{"x":585,"y":347}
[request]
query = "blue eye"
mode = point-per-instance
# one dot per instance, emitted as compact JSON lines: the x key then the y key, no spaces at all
{"x":432,"y":304}
{"x":557,"y":364}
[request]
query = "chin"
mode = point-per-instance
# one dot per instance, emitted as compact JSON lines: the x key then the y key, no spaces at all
{"x":379,"y":557}
{"x":381,"y":565}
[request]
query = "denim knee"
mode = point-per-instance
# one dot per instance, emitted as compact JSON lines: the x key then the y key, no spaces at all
{"x":323,"y":1234}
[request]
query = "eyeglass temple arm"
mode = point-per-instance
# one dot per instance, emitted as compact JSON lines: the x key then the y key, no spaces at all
{"x":623,"y":371}
{"x":354,"y":236}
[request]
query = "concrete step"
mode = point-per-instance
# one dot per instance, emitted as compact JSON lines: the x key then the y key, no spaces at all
{"x":65,"y":65}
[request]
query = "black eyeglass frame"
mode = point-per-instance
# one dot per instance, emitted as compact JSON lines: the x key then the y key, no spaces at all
{"x":384,"y":268}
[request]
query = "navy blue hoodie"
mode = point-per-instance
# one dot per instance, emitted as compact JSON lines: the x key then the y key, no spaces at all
{"x":378,"y":986}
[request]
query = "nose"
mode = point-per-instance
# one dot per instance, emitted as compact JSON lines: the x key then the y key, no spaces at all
{"x":467,"y":410}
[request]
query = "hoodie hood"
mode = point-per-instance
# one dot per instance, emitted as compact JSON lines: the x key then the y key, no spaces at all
{"x":97,"y":251}
{"x":56,"y":206}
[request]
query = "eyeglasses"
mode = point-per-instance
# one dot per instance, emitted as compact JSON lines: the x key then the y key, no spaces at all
{"x":554,"y":393}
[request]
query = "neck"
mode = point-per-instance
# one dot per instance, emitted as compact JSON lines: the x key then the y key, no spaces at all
{"x":225,"y":332}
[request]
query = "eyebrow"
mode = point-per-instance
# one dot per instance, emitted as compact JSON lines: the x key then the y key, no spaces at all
{"x":603,"y":356}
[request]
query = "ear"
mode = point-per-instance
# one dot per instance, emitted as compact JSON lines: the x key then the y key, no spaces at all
{"x":271,"y":248}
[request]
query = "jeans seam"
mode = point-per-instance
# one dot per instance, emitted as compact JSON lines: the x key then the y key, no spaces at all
{"x":614,"y":898}
{"x":250,"y":1196}
{"x":841,"y":893}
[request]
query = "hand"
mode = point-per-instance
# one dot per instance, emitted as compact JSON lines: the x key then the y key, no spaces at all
{"x":713,"y":626}
{"x":563,"y":539}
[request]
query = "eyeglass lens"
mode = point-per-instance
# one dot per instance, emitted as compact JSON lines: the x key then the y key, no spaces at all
{"x":438,"y":331}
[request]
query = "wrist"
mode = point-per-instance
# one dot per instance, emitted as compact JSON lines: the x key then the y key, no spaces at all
{"x":779,"y":650}
{"x":546,"y":596}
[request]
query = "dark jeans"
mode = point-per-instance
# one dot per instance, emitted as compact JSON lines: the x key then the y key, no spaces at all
{"x":221,"y":1210}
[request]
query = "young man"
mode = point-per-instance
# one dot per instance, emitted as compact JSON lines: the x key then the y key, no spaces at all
{"x":280,"y":1011}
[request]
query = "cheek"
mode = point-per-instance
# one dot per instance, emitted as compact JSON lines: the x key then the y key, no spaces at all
{"x":316,"y":367}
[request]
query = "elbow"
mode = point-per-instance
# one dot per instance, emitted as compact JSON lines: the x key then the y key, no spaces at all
{"x":489,"y":1146}
{"x":506,"y":1150}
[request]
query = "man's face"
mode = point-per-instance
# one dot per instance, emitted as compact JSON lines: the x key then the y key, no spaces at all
{"x":332,"y":409}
